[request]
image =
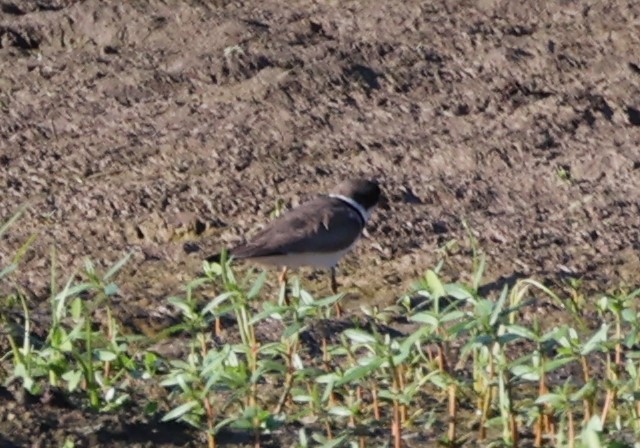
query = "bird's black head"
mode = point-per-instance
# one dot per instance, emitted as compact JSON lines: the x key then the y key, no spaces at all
{"x":365,"y":192}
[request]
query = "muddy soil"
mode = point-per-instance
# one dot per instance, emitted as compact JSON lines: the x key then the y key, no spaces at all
{"x":163,"y":127}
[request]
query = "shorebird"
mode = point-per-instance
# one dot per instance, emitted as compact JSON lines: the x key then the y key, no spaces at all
{"x":317,"y":233}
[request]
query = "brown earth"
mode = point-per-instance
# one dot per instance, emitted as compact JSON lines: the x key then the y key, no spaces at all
{"x":142,"y":126}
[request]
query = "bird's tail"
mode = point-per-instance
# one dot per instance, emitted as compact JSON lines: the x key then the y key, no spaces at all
{"x":224,"y":254}
{"x":215,"y":258}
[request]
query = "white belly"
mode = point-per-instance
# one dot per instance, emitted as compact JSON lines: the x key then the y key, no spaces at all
{"x":315,"y":260}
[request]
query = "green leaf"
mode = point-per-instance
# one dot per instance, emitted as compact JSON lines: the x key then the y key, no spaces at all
{"x":302,"y":398}
{"x":483,"y":309}
{"x":333,"y":443}
{"x":305,"y":297}
{"x":479,"y":272}
{"x":414,"y":338}
{"x":270,"y":310}
{"x":506,"y":338}
{"x":340,"y":411}
{"x":110,"y":394}
{"x":453,"y":315}
{"x":111,"y":289}
{"x":495,"y":422}
{"x":522,"y":332}
{"x":180,"y":411}
{"x":60,"y":299}
{"x":526,"y":372}
{"x":403,"y":396}
{"x":244,"y":423}
{"x":603,"y":303}
{"x":628,"y":314}
{"x":458,"y":291}
{"x":116,"y":267}
{"x":357,"y":373}
{"x":223,"y":423}
{"x":219,"y":300}
{"x":555,"y":334}
{"x":293,"y":329}
{"x":439,"y":381}
{"x":20,"y":371}
{"x":590,"y":434}
{"x":328,"y":301}
{"x":61,"y":340}
{"x":594,"y":342}
{"x":170,"y":381}
{"x":359,"y":336}
{"x":105,"y":355}
{"x":76,"y":308}
{"x":211,"y":269}
{"x":495,"y":315}
{"x":554,"y":364}
{"x":434,"y":284}
{"x":257,"y":286}
{"x":483,"y":339}
{"x":213,"y":380}
{"x":183,"y":306}
{"x":151,"y":408}
{"x":426,"y":317}
{"x":552,"y":399}
{"x":215,"y":360}
{"x":89,"y":267}
{"x":29,"y":384}
{"x":196,"y":283}
{"x":8,"y":270}
{"x":272,"y":367}
{"x":589,"y":389}
{"x":73,"y":378}
{"x":302,"y":437}
{"x":328,"y":378}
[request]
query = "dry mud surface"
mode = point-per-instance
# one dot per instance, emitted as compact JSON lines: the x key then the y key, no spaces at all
{"x":142,"y":126}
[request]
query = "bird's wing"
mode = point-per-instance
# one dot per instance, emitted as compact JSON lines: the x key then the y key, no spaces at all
{"x":321,"y":225}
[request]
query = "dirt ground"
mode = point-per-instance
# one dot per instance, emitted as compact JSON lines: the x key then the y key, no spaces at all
{"x":145,"y":126}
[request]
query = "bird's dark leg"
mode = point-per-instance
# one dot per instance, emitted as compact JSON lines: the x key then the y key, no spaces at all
{"x":282,"y":281}
{"x":334,"y":290}
{"x":334,"y":282}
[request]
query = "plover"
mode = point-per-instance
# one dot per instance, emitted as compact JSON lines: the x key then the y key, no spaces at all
{"x":317,"y":233}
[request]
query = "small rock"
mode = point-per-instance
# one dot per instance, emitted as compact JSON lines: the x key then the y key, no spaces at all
{"x":190,"y":247}
{"x":440,"y":227}
{"x":409,"y":197}
{"x":633,"y":115}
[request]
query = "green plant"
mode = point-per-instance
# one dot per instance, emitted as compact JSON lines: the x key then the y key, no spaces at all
{"x":73,"y":354}
{"x":463,"y":359}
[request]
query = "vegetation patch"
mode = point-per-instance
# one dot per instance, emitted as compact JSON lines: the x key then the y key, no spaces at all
{"x":447,"y":363}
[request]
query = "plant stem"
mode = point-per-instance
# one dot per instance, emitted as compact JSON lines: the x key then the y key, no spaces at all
{"x":543,"y":419}
{"x":488,"y":398}
{"x":288,"y":382}
{"x":211,"y":441}
{"x":572,"y":436}
{"x":396,"y":429}
{"x":452,"y":413}
{"x":107,"y":364}
{"x":401,"y":383}
{"x":327,"y":367}
{"x":376,"y":404}
{"x":486,"y":402}
{"x":588,"y":401}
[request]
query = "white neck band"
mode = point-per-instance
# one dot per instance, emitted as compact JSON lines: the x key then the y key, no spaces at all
{"x":361,"y":210}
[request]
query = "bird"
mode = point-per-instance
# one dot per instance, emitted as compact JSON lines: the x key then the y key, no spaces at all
{"x":317,"y":233}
